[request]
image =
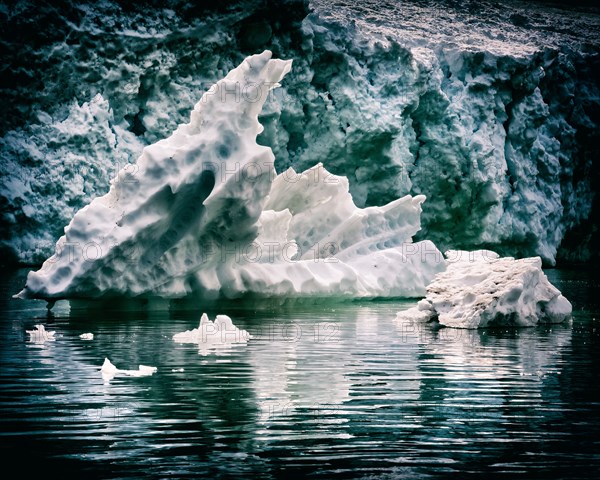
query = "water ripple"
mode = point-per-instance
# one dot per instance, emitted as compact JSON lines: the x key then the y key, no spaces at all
{"x":328,"y":390}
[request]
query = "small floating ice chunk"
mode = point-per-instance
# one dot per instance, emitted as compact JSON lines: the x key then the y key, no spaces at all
{"x":40,"y":334}
{"x":109,"y":371}
{"x":108,"y":368}
{"x":177,"y":370}
{"x":480,"y":289}
{"x":87,"y":336}
{"x":221,"y":332}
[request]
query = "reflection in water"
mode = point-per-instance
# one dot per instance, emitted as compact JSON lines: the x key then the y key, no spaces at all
{"x":483,"y":392}
{"x":340,"y":390}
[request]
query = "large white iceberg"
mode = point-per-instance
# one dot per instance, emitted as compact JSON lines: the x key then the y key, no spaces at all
{"x":204,"y":212}
{"x":480,"y":289}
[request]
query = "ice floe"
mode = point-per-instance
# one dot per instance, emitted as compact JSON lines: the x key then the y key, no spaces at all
{"x":481,"y":289}
{"x":109,"y":371}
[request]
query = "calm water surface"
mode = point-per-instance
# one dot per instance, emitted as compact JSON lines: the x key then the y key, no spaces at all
{"x":321,"y":390}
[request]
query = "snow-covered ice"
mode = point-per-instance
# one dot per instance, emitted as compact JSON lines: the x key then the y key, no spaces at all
{"x":481,"y":289}
{"x":109,"y":371}
{"x":214,"y":335}
{"x":40,"y":334}
{"x":204,"y":212}
{"x":87,"y":336}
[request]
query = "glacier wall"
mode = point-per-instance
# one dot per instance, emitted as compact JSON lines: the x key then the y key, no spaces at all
{"x":490,"y":110}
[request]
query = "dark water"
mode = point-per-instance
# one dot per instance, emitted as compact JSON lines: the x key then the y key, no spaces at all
{"x":327,"y":391}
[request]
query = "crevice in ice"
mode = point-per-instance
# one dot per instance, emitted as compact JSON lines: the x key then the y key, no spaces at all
{"x":136,"y":124}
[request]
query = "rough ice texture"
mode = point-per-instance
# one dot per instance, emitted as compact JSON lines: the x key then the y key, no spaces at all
{"x":203,"y":212}
{"x":213,"y":336}
{"x":480,"y":289}
{"x":109,"y":371}
{"x":490,"y":111}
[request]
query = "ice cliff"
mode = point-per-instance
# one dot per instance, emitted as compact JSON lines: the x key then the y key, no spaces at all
{"x":202,"y":212}
{"x":489,"y":109}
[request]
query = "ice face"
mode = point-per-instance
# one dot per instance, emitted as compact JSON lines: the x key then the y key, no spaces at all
{"x":489,"y":111}
{"x":480,"y":289}
{"x":202,"y":212}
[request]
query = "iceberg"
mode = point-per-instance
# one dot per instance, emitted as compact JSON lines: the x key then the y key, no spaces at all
{"x":40,"y":334}
{"x":480,"y":289}
{"x":204,"y":213}
{"x":87,"y":336}
{"x":210,"y":336}
{"x":109,"y":371}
